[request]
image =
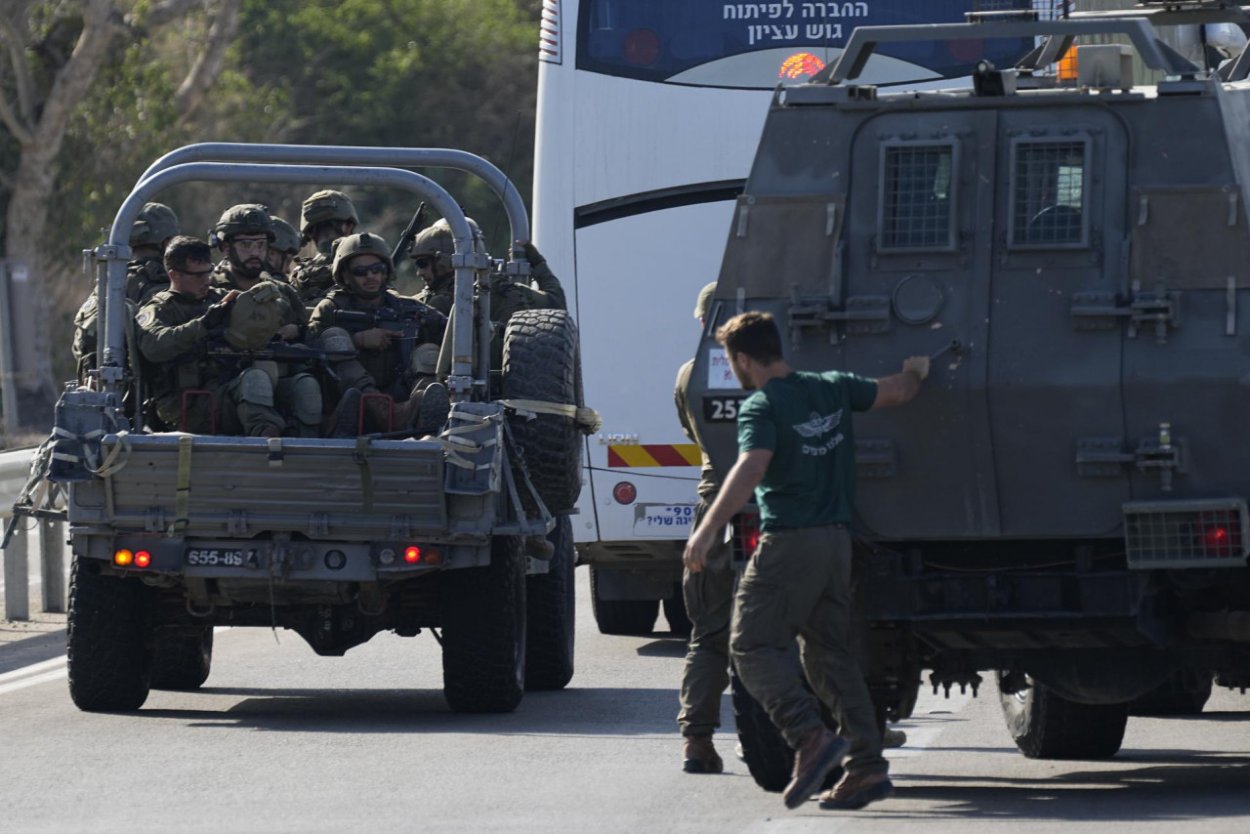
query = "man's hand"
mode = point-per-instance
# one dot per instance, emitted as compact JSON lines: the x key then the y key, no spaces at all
{"x":288,"y":332}
{"x":215,"y":316}
{"x":918,"y":365}
{"x":698,"y":546}
{"x":375,"y":338}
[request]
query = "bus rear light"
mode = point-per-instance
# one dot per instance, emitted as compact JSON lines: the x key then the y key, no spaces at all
{"x":625,"y":493}
{"x":123,"y":558}
{"x":412,"y":555}
{"x":143,"y":559}
{"x":642,"y":47}
{"x":800,"y":65}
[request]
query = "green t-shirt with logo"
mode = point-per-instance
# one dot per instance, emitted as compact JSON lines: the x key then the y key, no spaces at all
{"x":805,"y":419}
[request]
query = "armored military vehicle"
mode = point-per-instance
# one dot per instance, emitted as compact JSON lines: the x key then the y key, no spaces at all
{"x":336,"y":539}
{"x":1064,"y":507}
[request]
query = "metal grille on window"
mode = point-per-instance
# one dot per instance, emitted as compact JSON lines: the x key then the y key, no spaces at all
{"x":917,"y":193}
{"x":1208,"y":533}
{"x":1049,"y":194}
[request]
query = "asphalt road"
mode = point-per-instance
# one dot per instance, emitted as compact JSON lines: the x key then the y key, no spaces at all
{"x":281,"y":740}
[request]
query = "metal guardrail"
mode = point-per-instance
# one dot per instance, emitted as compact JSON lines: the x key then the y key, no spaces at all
{"x":14,"y":469}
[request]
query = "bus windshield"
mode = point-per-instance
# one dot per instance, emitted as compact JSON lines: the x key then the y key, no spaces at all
{"x":758,"y":45}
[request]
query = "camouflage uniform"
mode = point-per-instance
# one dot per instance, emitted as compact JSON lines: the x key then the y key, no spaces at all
{"x":175,"y":339}
{"x":297,"y":392}
{"x":506,"y":296}
{"x":145,"y":277}
{"x":313,"y":277}
{"x":709,"y":593}
{"x":383,"y":371}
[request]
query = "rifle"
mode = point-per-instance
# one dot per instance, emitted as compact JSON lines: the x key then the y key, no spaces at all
{"x":414,"y":227}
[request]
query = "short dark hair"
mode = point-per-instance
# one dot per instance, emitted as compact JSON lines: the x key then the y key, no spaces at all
{"x":184,"y":249}
{"x":753,"y":334}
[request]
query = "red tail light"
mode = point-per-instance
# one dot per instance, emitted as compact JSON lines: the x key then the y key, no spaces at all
{"x":143,"y":559}
{"x":747,"y":528}
{"x":412,"y":555}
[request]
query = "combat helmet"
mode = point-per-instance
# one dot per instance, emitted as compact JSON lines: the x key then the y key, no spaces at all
{"x":705,"y":300}
{"x":364,"y":243}
{"x":323,"y":206}
{"x":436,"y":241}
{"x":244,"y":219}
{"x":285,"y":239}
{"x":155,"y":224}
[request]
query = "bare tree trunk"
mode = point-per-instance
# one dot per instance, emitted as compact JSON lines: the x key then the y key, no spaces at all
{"x":27,"y":217}
{"x":212,"y":58}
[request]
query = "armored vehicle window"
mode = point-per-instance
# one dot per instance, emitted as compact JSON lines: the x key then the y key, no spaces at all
{"x":1048,"y":194}
{"x":916,"y":197}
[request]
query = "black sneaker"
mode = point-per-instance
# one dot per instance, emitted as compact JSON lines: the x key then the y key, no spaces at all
{"x":434,"y":409}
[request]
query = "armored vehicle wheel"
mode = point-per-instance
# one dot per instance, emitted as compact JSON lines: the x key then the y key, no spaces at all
{"x":182,"y":657}
{"x":1046,"y":726}
{"x":549,"y":605}
{"x":483,"y":615}
{"x":675,"y":612}
{"x":630,"y":617}
{"x":541,"y":362}
{"x":1185,"y":693}
{"x":109,"y":640}
{"x":764,"y":749}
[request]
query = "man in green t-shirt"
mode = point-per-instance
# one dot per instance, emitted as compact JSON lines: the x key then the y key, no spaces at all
{"x":797,"y":453}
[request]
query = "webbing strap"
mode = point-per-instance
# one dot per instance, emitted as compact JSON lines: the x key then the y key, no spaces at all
{"x":587,"y":419}
{"x":361,"y":457}
{"x":182,"y":491}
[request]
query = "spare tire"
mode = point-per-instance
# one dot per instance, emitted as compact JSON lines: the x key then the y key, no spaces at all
{"x":541,"y":362}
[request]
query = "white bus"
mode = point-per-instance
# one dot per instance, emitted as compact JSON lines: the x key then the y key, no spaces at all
{"x":649,"y":112}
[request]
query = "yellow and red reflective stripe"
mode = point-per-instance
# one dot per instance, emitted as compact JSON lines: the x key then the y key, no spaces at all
{"x":654,"y":454}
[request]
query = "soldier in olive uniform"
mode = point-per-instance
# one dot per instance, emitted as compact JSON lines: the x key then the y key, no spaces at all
{"x":175,"y":330}
{"x":431,"y":255}
{"x":244,"y":234}
{"x":155,"y":225}
{"x":325,"y":217}
{"x":709,"y":603}
{"x":283,"y":248}
{"x":362,"y":270}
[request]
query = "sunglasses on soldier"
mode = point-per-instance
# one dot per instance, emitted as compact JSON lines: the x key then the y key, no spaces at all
{"x":422,"y":262}
{"x":362,"y":271}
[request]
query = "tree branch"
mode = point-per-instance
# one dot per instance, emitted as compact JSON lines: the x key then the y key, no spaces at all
{"x":208,"y":64}
{"x":164,"y":11}
{"x":17,"y":48}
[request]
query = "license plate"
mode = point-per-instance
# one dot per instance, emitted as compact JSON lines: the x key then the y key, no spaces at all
{"x":663,"y":519}
{"x":222,"y":557}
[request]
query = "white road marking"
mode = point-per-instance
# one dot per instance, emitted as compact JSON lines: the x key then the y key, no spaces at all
{"x":32,"y":669}
{"x":32,"y":676}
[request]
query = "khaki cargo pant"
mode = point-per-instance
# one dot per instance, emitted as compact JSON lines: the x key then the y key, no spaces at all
{"x":709,"y":604}
{"x":798,"y":583}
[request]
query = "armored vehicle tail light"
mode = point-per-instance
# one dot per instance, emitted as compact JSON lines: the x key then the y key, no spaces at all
{"x":1221,"y":540}
{"x":625,"y":493}
{"x":747,"y":529}
{"x":123,"y":558}
{"x":412,"y":555}
{"x":143,"y":559}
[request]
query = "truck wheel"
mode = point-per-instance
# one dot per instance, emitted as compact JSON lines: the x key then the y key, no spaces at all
{"x":541,"y":362}
{"x":1046,"y":726}
{"x":630,"y":617}
{"x":182,"y":658}
{"x":764,"y":749}
{"x":550,"y":605}
{"x":1185,"y":693}
{"x":109,"y":640}
{"x":484,"y":631}
{"x":675,"y":613}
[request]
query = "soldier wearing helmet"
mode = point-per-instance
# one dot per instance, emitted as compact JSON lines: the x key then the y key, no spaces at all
{"x":244,"y":234}
{"x":399,"y":362}
{"x":154,"y":226}
{"x":283,"y":248}
{"x":431,"y":255}
{"x":325,"y":217}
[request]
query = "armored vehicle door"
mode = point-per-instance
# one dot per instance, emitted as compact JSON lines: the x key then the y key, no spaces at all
{"x":1053,"y":369}
{"x":986,"y":228}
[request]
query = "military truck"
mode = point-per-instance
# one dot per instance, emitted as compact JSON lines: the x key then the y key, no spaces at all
{"x":337,"y":539}
{"x":1064,"y":507}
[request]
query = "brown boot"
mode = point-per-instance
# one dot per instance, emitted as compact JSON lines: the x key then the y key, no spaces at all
{"x":700,"y":756}
{"x":820,"y":752}
{"x":855,"y":790}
